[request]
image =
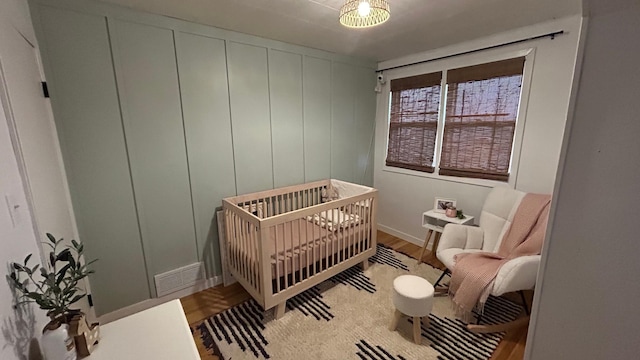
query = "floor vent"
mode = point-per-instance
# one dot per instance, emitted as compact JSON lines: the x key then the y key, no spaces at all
{"x":178,"y":279}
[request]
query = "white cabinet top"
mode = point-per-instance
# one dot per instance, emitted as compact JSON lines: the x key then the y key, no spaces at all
{"x":159,"y":333}
{"x":436,"y":221}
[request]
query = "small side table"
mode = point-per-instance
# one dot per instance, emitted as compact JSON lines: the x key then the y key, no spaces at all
{"x":434,"y":222}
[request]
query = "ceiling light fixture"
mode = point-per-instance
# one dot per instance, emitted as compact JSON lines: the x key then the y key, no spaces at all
{"x":364,"y":13}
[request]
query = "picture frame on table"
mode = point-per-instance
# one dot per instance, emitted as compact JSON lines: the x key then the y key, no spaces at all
{"x":440,"y":205}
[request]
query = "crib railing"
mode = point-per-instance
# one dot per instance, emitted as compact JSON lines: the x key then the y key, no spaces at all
{"x":280,"y":201}
{"x":273,"y":272}
{"x":317,"y":248}
{"x":243,"y":248}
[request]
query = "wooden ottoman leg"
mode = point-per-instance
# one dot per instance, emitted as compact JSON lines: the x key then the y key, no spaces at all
{"x":280,"y":309}
{"x":425,"y":321}
{"x":417,"y":332}
{"x":396,"y":319}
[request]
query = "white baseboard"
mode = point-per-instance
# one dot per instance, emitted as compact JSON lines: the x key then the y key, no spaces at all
{"x":404,"y":236}
{"x":147,"y":304}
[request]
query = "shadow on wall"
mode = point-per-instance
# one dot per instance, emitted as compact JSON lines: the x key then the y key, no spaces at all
{"x":211,"y":251}
{"x":19,"y":331}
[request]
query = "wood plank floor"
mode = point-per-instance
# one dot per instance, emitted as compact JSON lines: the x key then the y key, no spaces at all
{"x":207,"y":303}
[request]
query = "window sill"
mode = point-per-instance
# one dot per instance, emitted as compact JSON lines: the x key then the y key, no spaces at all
{"x":461,"y":180}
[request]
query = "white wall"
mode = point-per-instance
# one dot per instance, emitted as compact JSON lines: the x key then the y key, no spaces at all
{"x":586,"y":301}
{"x":404,"y":195}
{"x":18,"y":326}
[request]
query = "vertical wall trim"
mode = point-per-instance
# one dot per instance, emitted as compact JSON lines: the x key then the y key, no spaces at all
{"x":114,"y":62}
{"x":186,"y":148}
{"x":233,"y":148}
{"x":354,"y":128}
{"x":371,"y":145}
{"x":304,"y":158}
{"x":331,"y":120}
{"x":273,"y":170}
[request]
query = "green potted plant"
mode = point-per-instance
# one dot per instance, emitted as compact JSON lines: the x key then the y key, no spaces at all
{"x":54,"y":288}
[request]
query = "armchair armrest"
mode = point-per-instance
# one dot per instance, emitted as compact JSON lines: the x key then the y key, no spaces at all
{"x":517,"y":274}
{"x":461,"y":237}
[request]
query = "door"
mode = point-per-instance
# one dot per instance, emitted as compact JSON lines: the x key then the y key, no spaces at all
{"x":39,"y":150}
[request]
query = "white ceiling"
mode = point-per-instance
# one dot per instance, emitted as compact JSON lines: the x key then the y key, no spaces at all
{"x":414,"y":26}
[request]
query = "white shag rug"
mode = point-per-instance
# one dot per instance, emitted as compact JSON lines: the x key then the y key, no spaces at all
{"x":347,"y":317}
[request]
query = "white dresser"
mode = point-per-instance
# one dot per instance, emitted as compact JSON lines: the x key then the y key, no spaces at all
{"x":159,"y":333}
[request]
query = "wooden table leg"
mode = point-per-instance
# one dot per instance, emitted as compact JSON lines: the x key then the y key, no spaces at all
{"x":436,"y":241}
{"x":424,"y":247}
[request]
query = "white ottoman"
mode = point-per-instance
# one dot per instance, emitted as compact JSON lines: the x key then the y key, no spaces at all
{"x":412,"y":296}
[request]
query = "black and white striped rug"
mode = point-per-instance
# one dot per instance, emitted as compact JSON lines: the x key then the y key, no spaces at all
{"x":347,"y":317}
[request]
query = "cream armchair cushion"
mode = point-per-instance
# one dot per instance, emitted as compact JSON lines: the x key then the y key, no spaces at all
{"x":495,"y":219}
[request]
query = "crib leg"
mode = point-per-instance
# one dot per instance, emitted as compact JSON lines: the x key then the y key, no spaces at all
{"x":279,"y":310}
{"x":365,"y":265}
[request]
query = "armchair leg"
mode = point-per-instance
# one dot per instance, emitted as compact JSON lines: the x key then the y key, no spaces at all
{"x":524,"y":302}
{"x":445,"y":272}
{"x":486,"y":329}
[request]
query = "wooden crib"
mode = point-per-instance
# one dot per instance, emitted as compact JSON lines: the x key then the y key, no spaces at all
{"x":281,"y":242}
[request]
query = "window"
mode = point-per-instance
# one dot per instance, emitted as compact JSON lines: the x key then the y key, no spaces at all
{"x":479,"y":121}
{"x":413,"y":121}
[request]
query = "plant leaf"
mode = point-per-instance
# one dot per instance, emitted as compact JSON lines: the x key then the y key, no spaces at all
{"x":51,"y":238}
{"x":64,"y":255}
{"x":61,"y":274}
{"x":26,"y":260}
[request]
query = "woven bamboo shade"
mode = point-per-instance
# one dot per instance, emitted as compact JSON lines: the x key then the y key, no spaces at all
{"x":378,"y":12}
{"x":481,"y":112}
{"x":413,"y":121}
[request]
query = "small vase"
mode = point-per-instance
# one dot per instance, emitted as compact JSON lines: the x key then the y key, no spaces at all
{"x":57,"y":343}
{"x":451,"y":212}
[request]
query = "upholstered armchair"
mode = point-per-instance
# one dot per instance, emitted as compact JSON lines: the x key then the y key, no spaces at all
{"x":497,"y":214}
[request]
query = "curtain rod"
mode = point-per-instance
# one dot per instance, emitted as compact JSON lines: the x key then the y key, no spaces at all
{"x":551,"y":35}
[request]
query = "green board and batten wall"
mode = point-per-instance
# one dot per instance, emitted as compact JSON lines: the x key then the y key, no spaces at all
{"x":159,"y":119}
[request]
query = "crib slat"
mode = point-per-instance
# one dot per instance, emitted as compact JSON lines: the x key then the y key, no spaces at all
{"x":369,"y":224}
{"x":234,"y":240}
{"x":284,"y":252}
{"x":361,"y":225}
{"x":275,"y":228}
{"x":229,"y":236}
{"x":255,"y":275}
{"x":342,"y":231}
{"x":243,"y":252}
{"x":300,"y":249}
{"x":333,"y":245}
{"x":306,"y":232}
{"x":350,"y":237}
{"x":293,"y":253}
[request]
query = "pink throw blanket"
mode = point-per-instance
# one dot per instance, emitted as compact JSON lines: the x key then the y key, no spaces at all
{"x":473,"y":275}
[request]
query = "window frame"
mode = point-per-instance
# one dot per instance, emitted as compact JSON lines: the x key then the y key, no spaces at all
{"x":469,"y":60}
